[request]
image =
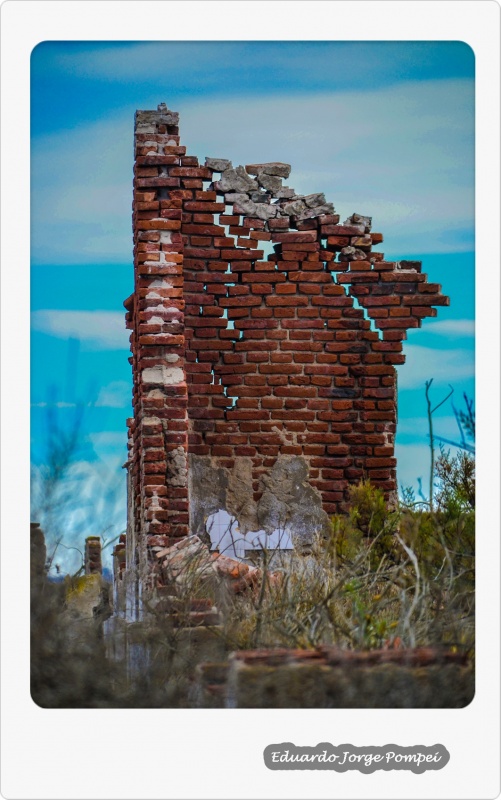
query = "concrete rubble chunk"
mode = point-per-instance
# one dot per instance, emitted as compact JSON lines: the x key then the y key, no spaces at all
{"x":146,"y":121}
{"x":218,"y":164}
{"x":270,"y":182}
{"x":310,"y":213}
{"x":352,"y":254}
{"x":235,"y":180}
{"x":263,"y":211}
{"x":359,"y":219}
{"x":245,"y":206}
{"x":313,"y":200}
{"x":294,"y":209}
{"x":235,"y":197}
{"x":260,"y":197}
{"x":285,"y":193}
{"x":277,"y":168}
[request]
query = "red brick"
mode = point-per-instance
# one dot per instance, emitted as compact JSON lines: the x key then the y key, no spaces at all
{"x":306,"y":236}
{"x":286,"y":301}
{"x":200,"y":205}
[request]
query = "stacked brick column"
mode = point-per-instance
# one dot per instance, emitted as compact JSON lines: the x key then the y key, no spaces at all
{"x":240,"y":356}
{"x":158,"y":431}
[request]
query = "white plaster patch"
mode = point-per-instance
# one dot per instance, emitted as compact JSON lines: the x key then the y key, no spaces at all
{"x":151,"y":420}
{"x":157,"y":284}
{"x":155,"y":503}
{"x":161,"y":309}
{"x":165,"y":237}
{"x":226,"y":537}
{"x":156,"y":321}
{"x":160,"y":283}
{"x":167,"y":376}
{"x":155,"y":394}
{"x":171,"y":358}
{"x":278,"y":540}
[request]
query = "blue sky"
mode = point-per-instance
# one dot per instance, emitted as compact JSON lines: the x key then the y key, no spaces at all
{"x":383,"y":128}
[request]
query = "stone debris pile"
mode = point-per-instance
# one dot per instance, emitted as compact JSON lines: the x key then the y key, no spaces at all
{"x":264,"y":196}
{"x":188,"y":567}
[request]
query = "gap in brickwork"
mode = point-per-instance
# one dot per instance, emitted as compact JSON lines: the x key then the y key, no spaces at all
{"x":355,"y":301}
{"x":370,"y":320}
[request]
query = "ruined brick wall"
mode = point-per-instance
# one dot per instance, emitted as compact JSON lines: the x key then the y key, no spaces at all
{"x":92,"y":556}
{"x":253,"y":371}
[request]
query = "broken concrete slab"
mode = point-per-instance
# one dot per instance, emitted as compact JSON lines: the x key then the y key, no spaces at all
{"x":278,"y":168}
{"x":218,"y":164}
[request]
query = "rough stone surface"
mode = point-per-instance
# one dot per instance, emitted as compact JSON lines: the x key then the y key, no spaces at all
{"x":289,"y":500}
{"x":239,"y":499}
{"x":314,"y":200}
{"x":294,"y":208}
{"x":208,"y":485}
{"x":177,"y":472}
{"x":147,"y":121}
{"x":270,"y":182}
{"x":352,"y":254}
{"x":164,"y":376}
{"x":218,"y":164}
{"x":359,"y":219}
{"x":235,"y":180}
{"x":315,"y":211}
{"x":277,"y":168}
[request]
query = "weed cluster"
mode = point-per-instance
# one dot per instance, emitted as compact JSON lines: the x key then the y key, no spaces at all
{"x":383,"y":578}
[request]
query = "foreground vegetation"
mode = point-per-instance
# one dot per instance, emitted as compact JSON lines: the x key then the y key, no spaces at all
{"x":383,"y":578}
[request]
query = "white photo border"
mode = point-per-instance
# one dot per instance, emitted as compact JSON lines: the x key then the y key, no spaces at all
{"x":159,"y":753}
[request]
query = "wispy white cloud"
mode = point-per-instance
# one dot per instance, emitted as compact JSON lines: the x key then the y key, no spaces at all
{"x":444,"y":366}
{"x":105,"y":439}
{"x":116,"y":394}
{"x":256,"y":66}
{"x":99,"y":330}
{"x":59,"y":404}
{"x":413,"y":462}
{"x":451,"y":327}
{"x":90,"y":500}
{"x":417,"y":427}
{"x":110,"y":448}
{"x":403,"y":154}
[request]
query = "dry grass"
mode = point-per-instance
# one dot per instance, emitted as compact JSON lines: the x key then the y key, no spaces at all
{"x":381,"y":579}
